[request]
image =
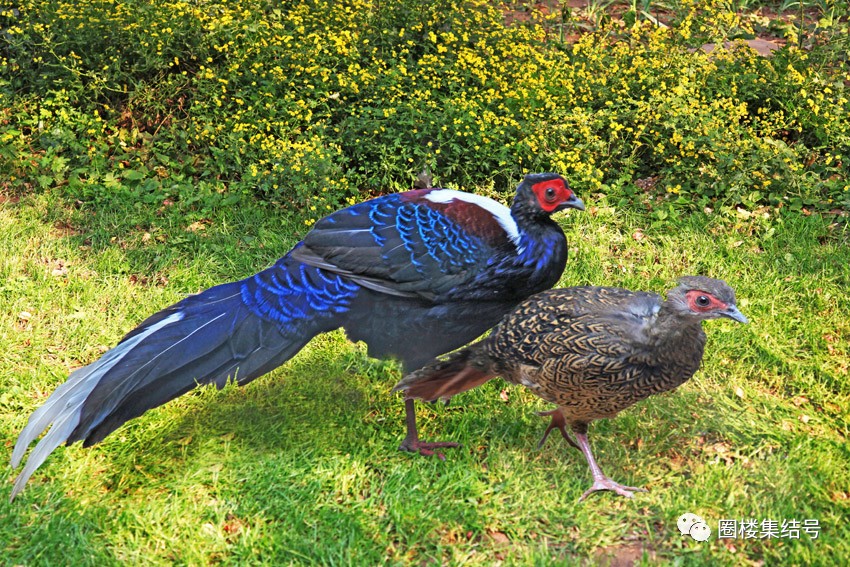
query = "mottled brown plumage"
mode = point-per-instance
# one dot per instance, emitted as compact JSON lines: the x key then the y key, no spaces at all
{"x":593,"y":351}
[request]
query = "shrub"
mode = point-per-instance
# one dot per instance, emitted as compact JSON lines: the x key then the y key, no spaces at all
{"x":313,"y":104}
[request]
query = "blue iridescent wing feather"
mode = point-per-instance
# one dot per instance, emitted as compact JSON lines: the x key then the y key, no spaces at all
{"x":399,"y":247}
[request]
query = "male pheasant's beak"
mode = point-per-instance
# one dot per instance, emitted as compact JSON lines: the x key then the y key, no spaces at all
{"x":733,"y":313}
{"x":571,"y":203}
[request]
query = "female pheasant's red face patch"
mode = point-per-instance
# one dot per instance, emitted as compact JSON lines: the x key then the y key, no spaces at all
{"x":703,"y":302}
{"x":551,"y":193}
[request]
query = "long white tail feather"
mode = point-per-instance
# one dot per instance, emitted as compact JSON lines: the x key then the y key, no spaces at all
{"x":41,"y":418}
{"x":120,"y":384}
{"x":64,"y":407}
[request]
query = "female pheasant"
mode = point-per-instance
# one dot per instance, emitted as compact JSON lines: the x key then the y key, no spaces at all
{"x":593,"y":351}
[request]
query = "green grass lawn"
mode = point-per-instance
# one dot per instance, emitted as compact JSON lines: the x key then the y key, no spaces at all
{"x":301,"y":466}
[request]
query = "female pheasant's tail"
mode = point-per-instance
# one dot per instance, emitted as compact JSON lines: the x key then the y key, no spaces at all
{"x":460,"y":371}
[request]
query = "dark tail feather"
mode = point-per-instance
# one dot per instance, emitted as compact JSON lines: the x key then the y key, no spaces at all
{"x":239,"y":330}
{"x":461,"y":371}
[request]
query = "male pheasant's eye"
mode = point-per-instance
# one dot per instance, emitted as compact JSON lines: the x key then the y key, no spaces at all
{"x":703,"y":301}
{"x":550,"y":194}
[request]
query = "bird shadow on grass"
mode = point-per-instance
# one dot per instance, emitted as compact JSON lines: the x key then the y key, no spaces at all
{"x":314,"y":404}
{"x":285,"y":445}
{"x":309,"y":447}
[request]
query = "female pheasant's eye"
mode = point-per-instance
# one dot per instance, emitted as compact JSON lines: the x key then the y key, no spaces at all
{"x":550,"y":194}
{"x":703,"y":301}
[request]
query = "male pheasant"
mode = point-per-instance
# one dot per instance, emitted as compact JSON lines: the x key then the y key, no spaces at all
{"x":413,"y":274}
{"x":593,"y":351}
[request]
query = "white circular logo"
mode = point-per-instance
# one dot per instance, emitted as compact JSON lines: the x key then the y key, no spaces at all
{"x":694,"y":526}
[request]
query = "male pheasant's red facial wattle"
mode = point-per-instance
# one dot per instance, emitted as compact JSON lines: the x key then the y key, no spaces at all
{"x":703,"y":302}
{"x":551,"y":193}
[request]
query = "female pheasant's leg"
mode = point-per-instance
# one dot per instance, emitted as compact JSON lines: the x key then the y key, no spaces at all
{"x":558,"y":422}
{"x":600,"y":481}
{"x":412,"y":443}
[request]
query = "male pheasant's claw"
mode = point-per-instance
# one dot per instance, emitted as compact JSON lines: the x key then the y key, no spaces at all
{"x":426,"y":449}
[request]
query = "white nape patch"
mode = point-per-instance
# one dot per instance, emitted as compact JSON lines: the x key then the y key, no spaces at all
{"x":63,"y":409}
{"x":501,"y":213}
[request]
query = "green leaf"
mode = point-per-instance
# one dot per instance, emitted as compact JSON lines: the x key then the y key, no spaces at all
{"x":110,"y":181}
{"x":231,"y":199}
{"x":45,"y":181}
{"x":134,"y":175}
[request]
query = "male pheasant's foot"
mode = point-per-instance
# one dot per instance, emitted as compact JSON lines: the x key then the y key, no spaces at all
{"x":425,"y":448}
{"x":411,"y":441}
{"x":558,"y":422}
{"x":605,"y":483}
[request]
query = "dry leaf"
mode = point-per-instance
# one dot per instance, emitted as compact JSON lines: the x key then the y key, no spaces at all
{"x":232,"y":525}
{"x":196,"y":226}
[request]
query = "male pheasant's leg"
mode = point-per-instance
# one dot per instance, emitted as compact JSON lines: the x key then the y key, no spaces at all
{"x":558,"y":422}
{"x":600,"y":481}
{"x":412,"y":443}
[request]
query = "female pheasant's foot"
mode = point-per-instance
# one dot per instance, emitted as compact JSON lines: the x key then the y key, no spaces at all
{"x":600,"y":481}
{"x":425,"y":448}
{"x":605,"y":483}
{"x":412,"y":443}
{"x":558,"y":422}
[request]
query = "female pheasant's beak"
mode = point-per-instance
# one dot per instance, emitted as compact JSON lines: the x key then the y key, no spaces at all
{"x":733,"y":313}
{"x":571,"y":203}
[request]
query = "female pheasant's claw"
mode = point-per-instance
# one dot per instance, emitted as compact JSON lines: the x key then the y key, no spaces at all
{"x":606,"y":483}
